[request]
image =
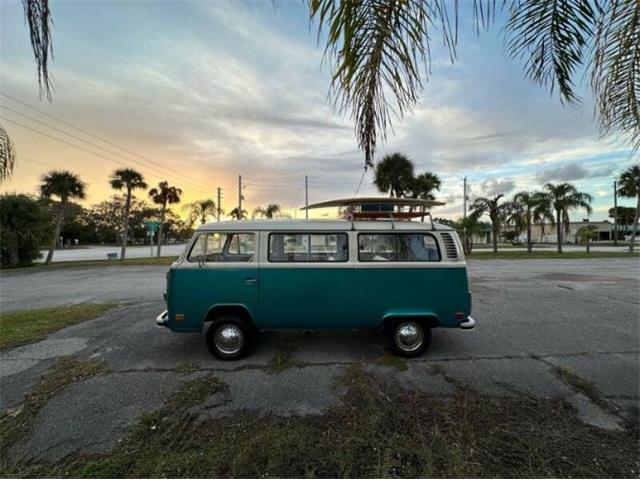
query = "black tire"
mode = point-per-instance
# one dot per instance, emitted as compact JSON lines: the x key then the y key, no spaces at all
{"x":393,"y":337}
{"x":234,"y":349}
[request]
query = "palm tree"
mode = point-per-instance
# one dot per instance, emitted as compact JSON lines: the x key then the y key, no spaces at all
{"x":495,"y":210}
{"x":66,"y":186}
{"x":469,"y":226}
{"x":238,"y":214}
{"x":532,"y":205}
{"x":270,"y":211}
{"x":424,"y":185}
{"x":629,"y":186}
{"x":7,"y":155}
{"x":200,"y":210}
{"x":543,"y":213}
{"x":394,"y":174}
{"x":564,"y":197}
{"x":162,"y":195}
{"x":129,"y":179}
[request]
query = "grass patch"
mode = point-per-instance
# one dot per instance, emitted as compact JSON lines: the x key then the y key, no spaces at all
{"x":519,"y":255}
{"x":97,"y":263}
{"x":394,"y":361}
{"x":16,"y":424}
{"x":193,"y":393}
{"x":28,"y":326}
{"x":379,"y":430}
{"x":580,"y":385}
{"x":283,"y":359}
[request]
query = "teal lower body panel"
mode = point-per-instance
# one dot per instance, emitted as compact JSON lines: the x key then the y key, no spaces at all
{"x":305,"y":297}
{"x":435,"y":292}
{"x":320,"y":298}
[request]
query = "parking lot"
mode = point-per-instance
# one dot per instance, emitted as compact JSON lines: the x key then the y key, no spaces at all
{"x":533,"y":317}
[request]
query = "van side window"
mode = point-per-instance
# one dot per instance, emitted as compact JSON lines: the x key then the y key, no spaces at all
{"x":397,"y":247}
{"x":223,"y":247}
{"x":308,"y":247}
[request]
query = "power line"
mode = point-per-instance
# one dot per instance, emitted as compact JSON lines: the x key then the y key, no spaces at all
{"x":76,"y":146}
{"x":86,"y":132}
{"x":32,"y":160}
{"x":86,"y":141}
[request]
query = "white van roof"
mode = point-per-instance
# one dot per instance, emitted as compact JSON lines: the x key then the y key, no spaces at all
{"x":314,"y":225}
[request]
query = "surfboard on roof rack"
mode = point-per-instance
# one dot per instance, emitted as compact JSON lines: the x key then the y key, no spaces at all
{"x":372,"y":208}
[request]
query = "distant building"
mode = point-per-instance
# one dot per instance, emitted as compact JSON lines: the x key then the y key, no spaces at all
{"x":603,"y":228}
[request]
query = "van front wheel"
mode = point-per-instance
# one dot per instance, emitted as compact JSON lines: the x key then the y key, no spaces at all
{"x":229,"y":338}
{"x":408,"y":338}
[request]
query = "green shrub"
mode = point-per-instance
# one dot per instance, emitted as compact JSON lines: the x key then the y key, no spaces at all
{"x":24,"y":224}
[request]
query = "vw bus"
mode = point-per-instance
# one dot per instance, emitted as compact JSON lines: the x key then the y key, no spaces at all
{"x":237,"y":278}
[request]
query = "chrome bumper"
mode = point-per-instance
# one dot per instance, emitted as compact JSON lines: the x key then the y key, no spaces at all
{"x":468,"y":324}
{"x":162,"y":319}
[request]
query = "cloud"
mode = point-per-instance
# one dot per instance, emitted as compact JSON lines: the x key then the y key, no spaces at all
{"x":495,"y":187}
{"x":565,"y":173}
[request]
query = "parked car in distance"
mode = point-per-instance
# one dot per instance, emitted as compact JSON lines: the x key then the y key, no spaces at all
{"x":237,"y":278}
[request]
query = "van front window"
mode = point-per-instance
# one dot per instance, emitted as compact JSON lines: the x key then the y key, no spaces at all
{"x":223,"y":247}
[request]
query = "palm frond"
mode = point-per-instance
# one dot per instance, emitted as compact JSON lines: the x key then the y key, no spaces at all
{"x":7,"y":155}
{"x":615,"y":77}
{"x":379,"y":49}
{"x":38,"y":17}
{"x":552,"y":36}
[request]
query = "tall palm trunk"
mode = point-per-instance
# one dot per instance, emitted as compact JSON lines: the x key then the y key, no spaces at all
{"x":56,"y":236}
{"x":164,"y":209}
{"x":635,"y":226}
{"x":559,"y":230}
{"x":125,"y":229}
{"x":495,"y":237}
{"x":529,"y":231}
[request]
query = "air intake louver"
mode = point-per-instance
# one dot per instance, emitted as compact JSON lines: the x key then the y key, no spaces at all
{"x":449,"y":245}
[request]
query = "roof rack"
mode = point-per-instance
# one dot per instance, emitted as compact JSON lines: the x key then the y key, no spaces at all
{"x":380,"y":208}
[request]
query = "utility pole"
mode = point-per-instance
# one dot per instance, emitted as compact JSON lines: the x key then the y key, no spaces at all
{"x":239,"y":197}
{"x":615,"y":213}
{"x":219,"y":202}
{"x":464,"y":197}
{"x":306,"y":197}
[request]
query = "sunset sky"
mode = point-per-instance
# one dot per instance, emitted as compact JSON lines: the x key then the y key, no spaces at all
{"x":199,"y":92}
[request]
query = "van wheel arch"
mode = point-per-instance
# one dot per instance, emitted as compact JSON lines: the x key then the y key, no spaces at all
{"x":428,"y":321}
{"x":240,"y":311}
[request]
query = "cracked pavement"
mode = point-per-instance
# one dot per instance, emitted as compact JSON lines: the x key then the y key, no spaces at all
{"x":532,"y":316}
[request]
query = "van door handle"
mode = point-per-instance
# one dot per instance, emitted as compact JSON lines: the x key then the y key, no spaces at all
{"x":250,"y":280}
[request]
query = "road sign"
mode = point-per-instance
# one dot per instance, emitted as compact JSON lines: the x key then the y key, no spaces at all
{"x":152,"y":226}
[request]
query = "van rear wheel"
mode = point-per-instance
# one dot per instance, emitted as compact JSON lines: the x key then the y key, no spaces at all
{"x":229,"y":337}
{"x":407,"y":338}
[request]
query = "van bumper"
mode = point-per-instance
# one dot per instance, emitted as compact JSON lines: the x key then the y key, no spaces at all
{"x":468,"y":324}
{"x":163,"y":319}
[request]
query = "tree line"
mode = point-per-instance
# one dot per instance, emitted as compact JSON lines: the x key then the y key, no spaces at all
{"x":28,"y":222}
{"x":551,"y":205}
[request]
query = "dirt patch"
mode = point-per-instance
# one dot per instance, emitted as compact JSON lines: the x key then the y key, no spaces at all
{"x":379,"y":430}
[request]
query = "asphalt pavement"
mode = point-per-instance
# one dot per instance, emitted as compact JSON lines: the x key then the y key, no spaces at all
{"x":532,"y":315}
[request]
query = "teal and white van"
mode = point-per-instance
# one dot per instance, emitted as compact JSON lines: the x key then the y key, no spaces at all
{"x":237,"y":278}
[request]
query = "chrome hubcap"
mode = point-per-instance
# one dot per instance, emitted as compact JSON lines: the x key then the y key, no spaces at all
{"x":229,"y":339}
{"x":409,"y":336}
